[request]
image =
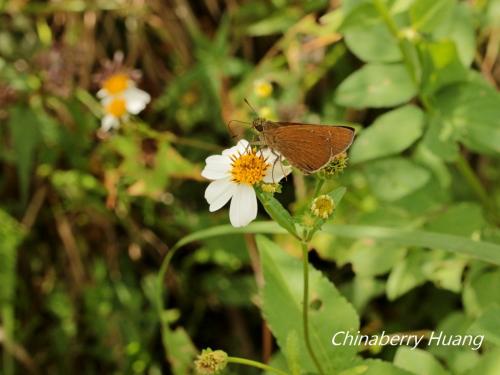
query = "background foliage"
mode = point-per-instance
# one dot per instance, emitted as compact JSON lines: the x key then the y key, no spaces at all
{"x":86,"y":219}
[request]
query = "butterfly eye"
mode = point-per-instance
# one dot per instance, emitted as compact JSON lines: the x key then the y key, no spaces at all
{"x":259,"y":127}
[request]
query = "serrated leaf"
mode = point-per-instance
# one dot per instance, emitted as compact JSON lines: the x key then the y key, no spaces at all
{"x":376,"y":85}
{"x":282,"y":291}
{"x":390,"y":134}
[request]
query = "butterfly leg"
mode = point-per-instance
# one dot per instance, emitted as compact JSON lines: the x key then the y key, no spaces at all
{"x":278,"y":158}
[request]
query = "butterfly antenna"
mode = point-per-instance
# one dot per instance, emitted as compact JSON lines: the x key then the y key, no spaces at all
{"x":233,"y":134}
{"x":252,"y":108}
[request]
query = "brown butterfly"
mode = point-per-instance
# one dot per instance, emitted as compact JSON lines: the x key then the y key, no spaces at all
{"x":308,"y":147}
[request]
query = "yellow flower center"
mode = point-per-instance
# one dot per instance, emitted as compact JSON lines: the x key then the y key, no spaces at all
{"x":249,"y":168}
{"x":116,"y":84}
{"x":116,"y":107}
{"x":323,"y":206}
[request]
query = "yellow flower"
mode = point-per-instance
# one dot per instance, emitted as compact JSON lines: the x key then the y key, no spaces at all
{"x":116,"y":84}
{"x":262,"y":88}
{"x":210,"y":362}
{"x":323,"y":207}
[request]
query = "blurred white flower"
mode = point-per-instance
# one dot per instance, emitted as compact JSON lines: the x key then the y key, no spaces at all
{"x":234,"y":174}
{"x":119,"y":98}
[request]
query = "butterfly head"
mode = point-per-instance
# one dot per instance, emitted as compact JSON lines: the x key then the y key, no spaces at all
{"x":258,"y":124}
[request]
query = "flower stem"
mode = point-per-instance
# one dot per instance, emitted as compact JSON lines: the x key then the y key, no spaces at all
{"x":305,"y":309}
{"x":393,"y":28}
{"x":317,"y":188}
{"x":249,"y":362}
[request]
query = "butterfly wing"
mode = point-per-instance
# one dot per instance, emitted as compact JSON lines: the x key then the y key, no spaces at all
{"x":308,"y":147}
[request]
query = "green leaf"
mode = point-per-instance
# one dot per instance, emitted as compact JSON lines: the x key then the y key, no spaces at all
{"x":463,"y":33}
{"x":489,"y":364}
{"x":292,"y":353}
{"x":282,"y":291}
{"x":390,"y":134}
{"x":441,"y":65}
{"x":368,"y":37}
{"x":427,"y":15}
{"x":362,"y":290}
{"x":418,"y":361}
{"x":478,"y":294}
{"x":180,"y":350}
{"x":395,"y":178}
{"x":488,"y":324}
{"x":370,"y":259}
{"x":11,"y":235}
{"x":440,"y":138}
{"x":406,"y":275}
{"x":376,"y":85}
{"x":25,"y":132}
{"x":375,"y":367}
{"x":485,"y":251}
{"x":462,"y":219}
{"x":472,"y":110}
{"x":277,"y":212}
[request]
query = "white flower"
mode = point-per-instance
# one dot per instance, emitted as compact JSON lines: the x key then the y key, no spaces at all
{"x":234,"y":173}
{"x":119,"y":98}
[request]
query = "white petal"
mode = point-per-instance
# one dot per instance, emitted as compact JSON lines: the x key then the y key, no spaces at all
{"x":106,"y":100}
{"x":136,"y":100}
{"x":243,"y":206}
{"x":277,"y":170}
{"x":241,"y":147}
{"x":217,"y":166}
{"x":102,"y":93}
{"x":218,"y":193}
{"x":109,"y":122}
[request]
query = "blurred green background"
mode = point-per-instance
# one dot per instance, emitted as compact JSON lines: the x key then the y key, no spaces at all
{"x":86,"y":218}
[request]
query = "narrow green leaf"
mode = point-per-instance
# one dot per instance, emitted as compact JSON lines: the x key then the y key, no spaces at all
{"x":485,"y":251}
{"x":25,"y":132}
{"x":283,"y":290}
{"x":277,"y":212}
{"x":11,"y":235}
